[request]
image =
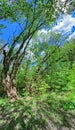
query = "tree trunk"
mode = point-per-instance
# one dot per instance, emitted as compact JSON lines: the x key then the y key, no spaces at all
{"x":10,"y":87}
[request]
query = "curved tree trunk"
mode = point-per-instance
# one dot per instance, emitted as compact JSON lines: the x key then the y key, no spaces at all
{"x":10,"y":87}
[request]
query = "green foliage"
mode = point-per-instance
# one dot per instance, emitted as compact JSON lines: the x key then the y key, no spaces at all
{"x":35,"y":113}
{"x":19,"y":10}
{"x":71,"y":79}
{"x":20,"y":79}
{"x":59,"y":80}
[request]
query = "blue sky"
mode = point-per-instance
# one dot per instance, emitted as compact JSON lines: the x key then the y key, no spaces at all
{"x":10,"y":30}
{"x":64,"y":25}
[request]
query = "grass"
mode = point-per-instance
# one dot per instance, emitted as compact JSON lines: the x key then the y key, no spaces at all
{"x":35,"y":113}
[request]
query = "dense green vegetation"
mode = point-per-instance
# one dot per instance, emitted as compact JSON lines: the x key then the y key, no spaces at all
{"x":37,"y":71}
{"x":48,"y":99}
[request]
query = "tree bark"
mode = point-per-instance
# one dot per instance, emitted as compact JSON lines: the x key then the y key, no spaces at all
{"x":10,"y":87}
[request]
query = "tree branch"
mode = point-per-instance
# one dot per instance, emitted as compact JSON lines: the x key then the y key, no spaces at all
{"x":3,"y":46}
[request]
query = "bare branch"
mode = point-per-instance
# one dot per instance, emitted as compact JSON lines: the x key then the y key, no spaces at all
{"x":3,"y":46}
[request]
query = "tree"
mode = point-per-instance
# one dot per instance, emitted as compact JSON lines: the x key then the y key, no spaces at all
{"x":30,"y":16}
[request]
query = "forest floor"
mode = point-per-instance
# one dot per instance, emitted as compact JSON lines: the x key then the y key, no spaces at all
{"x":34,"y":114}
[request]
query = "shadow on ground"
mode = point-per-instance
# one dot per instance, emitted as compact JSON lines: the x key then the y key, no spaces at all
{"x":34,"y":115}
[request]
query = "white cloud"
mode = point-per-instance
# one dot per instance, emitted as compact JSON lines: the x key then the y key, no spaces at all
{"x":63,"y":0}
{"x":42,"y":31}
{"x":43,"y":35}
{"x":71,"y":36}
{"x":66,"y":24}
{"x":63,"y":26}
